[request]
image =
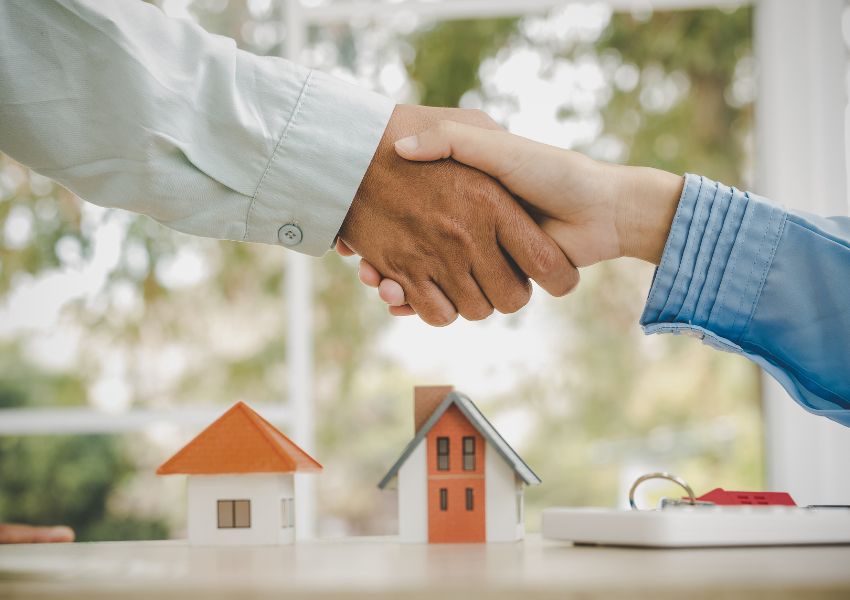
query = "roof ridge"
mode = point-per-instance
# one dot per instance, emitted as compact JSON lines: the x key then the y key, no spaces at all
{"x":496,"y":431}
{"x":275,"y":444}
{"x":252,"y":417}
{"x":479,"y":422}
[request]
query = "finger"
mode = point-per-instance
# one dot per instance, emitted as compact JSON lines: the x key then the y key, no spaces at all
{"x":467,"y":297}
{"x":342,"y":248}
{"x":391,"y":292}
{"x":430,"y":303}
{"x":534,"y":252}
{"x":25,"y":534}
{"x":507,"y":289}
{"x":493,"y":151}
{"x":368,"y":274}
{"x":402,"y":311}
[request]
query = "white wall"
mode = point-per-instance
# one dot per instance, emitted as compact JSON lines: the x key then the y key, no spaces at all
{"x":413,"y":497}
{"x":264,"y":490}
{"x":500,"y":489}
{"x":800,"y":162}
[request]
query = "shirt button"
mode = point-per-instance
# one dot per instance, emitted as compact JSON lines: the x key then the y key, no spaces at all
{"x":290,"y":234}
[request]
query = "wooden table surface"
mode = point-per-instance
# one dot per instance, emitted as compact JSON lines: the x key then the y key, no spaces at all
{"x":374,"y":568}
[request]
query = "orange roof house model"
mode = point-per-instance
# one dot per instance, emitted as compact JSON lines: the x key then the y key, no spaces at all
{"x":458,"y":480}
{"x":240,"y":487}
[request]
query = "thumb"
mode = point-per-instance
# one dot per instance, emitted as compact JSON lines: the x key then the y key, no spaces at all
{"x":488,"y":150}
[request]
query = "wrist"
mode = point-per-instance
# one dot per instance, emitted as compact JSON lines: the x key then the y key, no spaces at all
{"x":646,"y":200}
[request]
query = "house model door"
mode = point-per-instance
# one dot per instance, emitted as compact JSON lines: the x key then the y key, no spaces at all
{"x":455,"y":481}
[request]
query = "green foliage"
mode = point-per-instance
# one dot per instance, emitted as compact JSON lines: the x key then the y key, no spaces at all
{"x":66,"y":480}
{"x":449,"y":54}
{"x":703,"y":132}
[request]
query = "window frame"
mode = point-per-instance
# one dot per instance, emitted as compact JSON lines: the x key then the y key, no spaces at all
{"x":469,"y":454}
{"x":287,"y":513}
{"x":443,"y":453}
{"x":444,"y":499}
{"x":230,"y":505}
{"x":470,"y":499}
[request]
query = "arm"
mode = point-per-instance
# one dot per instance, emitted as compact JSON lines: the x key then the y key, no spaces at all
{"x":748,"y":277}
{"x":129,"y":108}
{"x":734,"y":270}
{"x":132,"y":109}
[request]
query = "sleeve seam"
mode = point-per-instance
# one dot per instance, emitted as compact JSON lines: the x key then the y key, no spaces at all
{"x":767,"y":267}
{"x":745,"y":295}
{"x":720,"y":303}
{"x":301,"y":96}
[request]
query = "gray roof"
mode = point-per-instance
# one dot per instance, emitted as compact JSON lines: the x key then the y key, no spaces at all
{"x":480,"y":422}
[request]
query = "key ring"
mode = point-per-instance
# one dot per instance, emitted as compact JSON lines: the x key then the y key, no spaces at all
{"x":669,"y":477}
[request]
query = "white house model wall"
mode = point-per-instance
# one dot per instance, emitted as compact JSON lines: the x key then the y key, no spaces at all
{"x":503,"y":508}
{"x":269,"y":518}
{"x":413,"y":497}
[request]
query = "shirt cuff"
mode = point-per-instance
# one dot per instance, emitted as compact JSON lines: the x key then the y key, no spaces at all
{"x":317,"y":165}
{"x":719,"y":250}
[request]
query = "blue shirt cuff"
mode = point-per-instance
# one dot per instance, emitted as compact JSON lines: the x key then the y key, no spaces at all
{"x":715,"y":261}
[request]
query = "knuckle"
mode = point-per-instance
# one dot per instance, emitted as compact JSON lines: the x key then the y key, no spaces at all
{"x":514,"y":298}
{"x":456,"y":234}
{"x":423,"y":299}
{"x":546,"y":261}
{"x":479,"y":312}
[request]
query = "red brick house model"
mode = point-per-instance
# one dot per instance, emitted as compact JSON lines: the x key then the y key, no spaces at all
{"x":457,"y":480}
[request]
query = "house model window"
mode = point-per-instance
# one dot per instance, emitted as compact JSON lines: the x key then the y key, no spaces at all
{"x":444,"y":499}
{"x":442,"y":454}
{"x":234,"y":514}
{"x":470,"y":499}
{"x":468,"y":453}
{"x":287,"y":513}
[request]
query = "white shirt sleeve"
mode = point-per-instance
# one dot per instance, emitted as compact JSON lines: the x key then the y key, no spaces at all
{"x":129,"y":108}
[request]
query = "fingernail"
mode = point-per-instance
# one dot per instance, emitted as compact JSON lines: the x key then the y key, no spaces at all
{"x":408,"y":144}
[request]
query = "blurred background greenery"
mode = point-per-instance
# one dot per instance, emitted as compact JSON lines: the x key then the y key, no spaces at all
{"x":121,"y":312}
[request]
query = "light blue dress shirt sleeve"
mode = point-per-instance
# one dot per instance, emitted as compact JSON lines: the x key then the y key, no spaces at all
{"x":130,"y":108}
{"x":748,"y":277}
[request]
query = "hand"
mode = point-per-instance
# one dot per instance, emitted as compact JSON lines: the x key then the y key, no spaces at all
{"x":26,"y":534}
{"x":453,"y":238}
{"x":593,"y":210}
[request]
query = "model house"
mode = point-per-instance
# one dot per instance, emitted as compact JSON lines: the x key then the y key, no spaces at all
{"x":457,"y":479}
{"x":240,"y":484}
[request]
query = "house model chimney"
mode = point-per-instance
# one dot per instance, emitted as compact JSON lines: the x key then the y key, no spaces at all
{"x":426,"y":398}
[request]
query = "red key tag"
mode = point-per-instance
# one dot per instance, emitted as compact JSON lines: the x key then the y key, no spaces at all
{"x":722,"y":497}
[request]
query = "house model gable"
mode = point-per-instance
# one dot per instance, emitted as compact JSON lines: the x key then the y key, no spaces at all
{"x":480,"y":423}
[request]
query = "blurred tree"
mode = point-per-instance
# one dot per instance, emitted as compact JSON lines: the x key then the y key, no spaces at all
{"x":66,"y":480}
{"x":448,"y":57}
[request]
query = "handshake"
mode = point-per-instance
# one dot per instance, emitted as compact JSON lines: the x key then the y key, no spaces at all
{"x":455,"y":215}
